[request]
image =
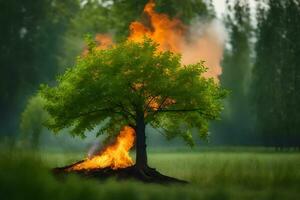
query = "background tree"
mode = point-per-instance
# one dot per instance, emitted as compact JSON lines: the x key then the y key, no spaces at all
{"x":236,"y":126}
{"x":185,"y":10}
{"x":32,"y":120}
{"x":276,"y":74}
{"x":30,"y":36}
{"x":133,"y":84}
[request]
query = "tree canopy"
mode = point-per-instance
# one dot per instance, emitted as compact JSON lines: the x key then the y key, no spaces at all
{"x":113,"y":85}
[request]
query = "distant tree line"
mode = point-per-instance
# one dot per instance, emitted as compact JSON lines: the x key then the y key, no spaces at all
{"x":276,"y":74}
{"x":262,"y":70}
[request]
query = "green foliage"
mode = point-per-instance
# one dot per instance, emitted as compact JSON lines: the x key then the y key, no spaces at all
{"x":32,"y":120}
{"x":113,"y":85}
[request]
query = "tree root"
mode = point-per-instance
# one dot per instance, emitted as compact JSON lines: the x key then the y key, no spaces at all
{"x":144,"y":174}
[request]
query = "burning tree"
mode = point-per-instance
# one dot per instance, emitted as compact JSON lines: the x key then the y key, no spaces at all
{"x":132,"y":85}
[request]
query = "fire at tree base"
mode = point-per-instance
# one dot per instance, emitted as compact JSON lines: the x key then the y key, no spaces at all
{"x":146,"y":175}
{"x":115,"y":162}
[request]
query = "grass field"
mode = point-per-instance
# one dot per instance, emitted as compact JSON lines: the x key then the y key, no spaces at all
{"x":213,"y":174}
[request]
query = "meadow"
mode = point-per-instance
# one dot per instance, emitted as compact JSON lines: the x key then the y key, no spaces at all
{"x":213,"y":174}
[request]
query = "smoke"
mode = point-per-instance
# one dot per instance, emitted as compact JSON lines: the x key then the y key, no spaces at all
{"x":95,"y":148}
{"x":205,"y":41}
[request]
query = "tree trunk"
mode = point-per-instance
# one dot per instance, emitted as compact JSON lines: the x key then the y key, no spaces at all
{"x":141,"y":153}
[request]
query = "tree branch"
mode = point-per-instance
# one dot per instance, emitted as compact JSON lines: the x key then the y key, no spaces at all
{"x":182,"y":110}
{"x":125,"y":110}
{"x":162,"y":103}
{"x":148,"y":104}
{"x":154,"y":111}
{"x":179,"y":110}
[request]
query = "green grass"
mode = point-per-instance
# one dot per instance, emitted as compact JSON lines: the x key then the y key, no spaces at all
{"x":215,"y":174}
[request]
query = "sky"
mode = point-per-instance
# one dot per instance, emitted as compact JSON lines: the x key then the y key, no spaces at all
{"x":220,"y":6}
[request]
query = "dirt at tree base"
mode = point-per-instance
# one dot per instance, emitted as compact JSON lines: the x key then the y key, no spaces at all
{"x":145,"y":174}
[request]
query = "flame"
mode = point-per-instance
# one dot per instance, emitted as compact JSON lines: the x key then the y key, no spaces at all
{"x":164,"y":31}
{"x":114,"y":156}
{"x":155,"y":103}
{"x":104,"y":41}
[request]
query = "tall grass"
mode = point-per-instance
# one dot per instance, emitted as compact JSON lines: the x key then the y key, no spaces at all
{"x":212,"y":175}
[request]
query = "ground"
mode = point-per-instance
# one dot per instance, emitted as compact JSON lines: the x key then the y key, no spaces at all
{"x":235,"y":173}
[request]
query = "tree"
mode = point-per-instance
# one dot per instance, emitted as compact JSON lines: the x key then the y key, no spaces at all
{"x":32,"y":120}
{"x":30,"y":38}
{"x":276,"y":74}
{"x":236,"y":126}
{"x":133,"y":84}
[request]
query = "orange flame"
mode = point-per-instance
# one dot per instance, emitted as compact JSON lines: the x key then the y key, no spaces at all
{"x":104,"y":41}
{"x":114,"y":156}
{"x":166,"y":32}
